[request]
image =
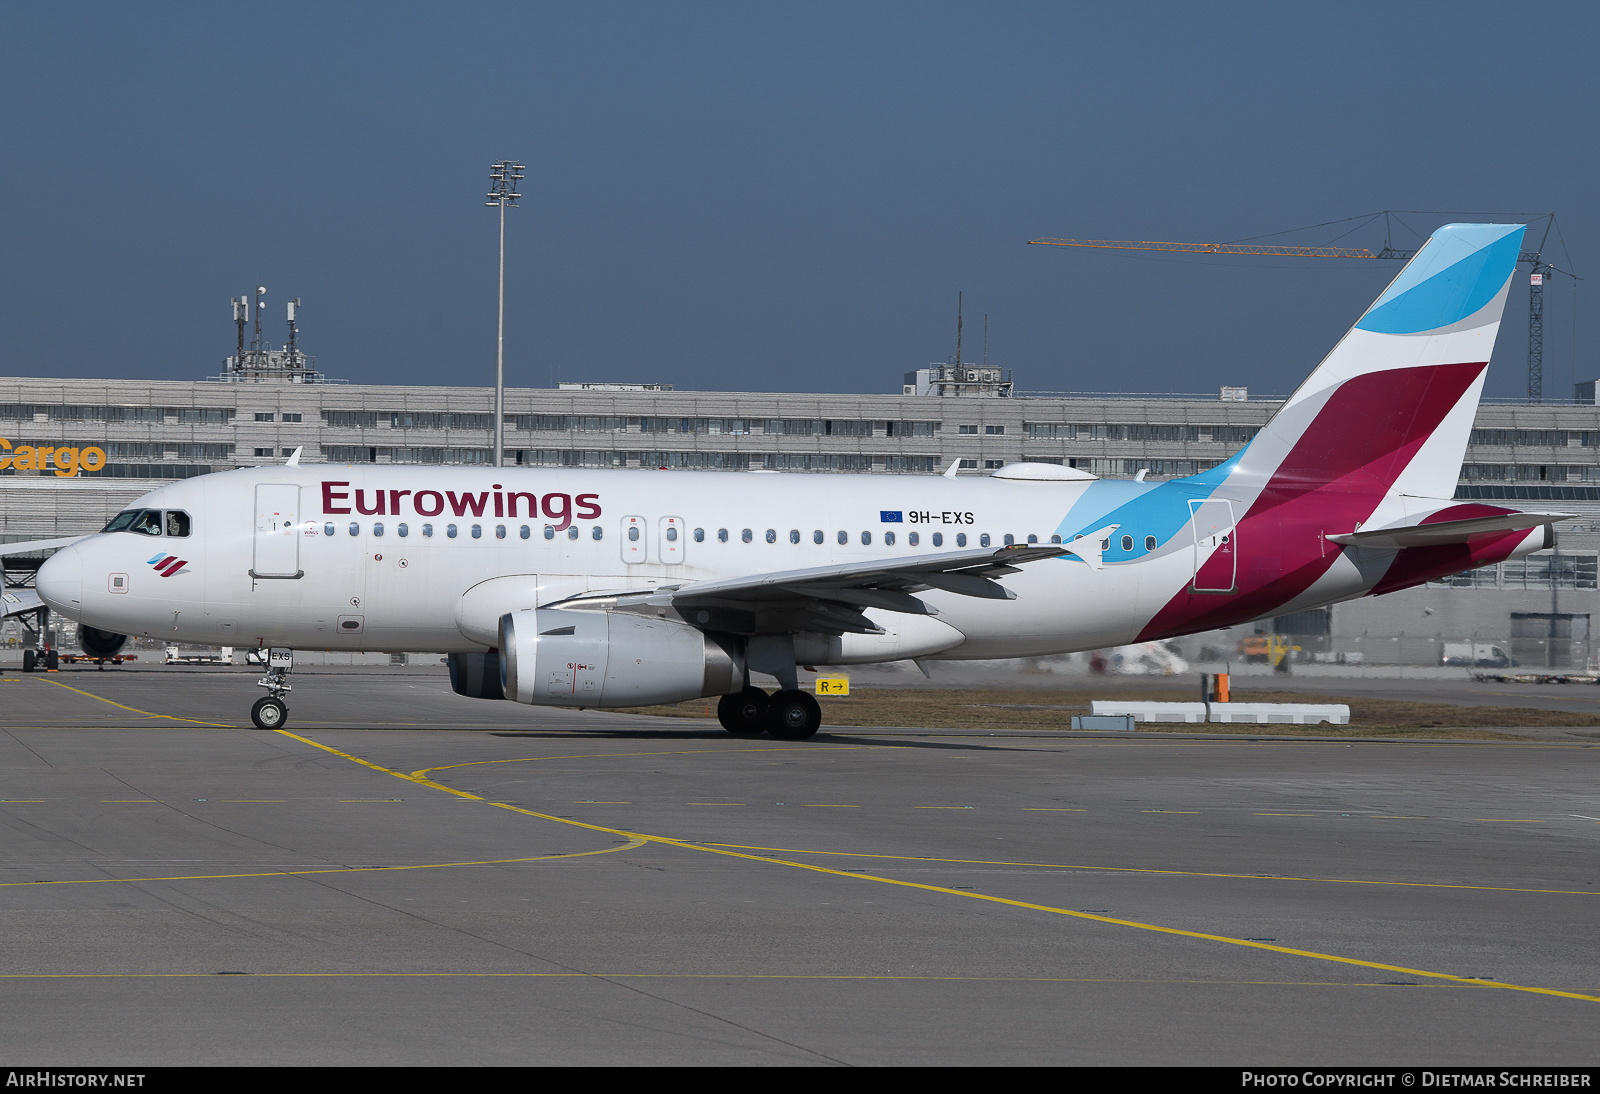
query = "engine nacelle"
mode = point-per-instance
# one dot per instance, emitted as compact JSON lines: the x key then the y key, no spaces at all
{"x":563,"y":658}
{"x":476,"y":675}
{"x":98,"y":643}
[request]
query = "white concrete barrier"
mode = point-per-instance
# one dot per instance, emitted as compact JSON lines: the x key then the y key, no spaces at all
{"x":1288,"y":713}
{"x":1151,"y":712}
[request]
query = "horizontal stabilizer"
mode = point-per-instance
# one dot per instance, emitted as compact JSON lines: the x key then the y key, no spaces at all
{"x":1445,"y":531}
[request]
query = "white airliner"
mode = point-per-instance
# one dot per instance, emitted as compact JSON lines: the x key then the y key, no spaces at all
{"x":623,"y":588}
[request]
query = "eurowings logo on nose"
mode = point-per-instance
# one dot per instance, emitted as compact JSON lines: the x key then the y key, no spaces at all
{"x":167,"y":565}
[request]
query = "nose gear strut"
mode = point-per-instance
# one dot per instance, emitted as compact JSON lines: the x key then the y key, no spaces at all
{"x":270,"y":711}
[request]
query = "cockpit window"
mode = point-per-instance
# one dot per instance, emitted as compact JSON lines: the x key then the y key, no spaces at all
{"x":177,"y":523}
{"x":147,"y":523}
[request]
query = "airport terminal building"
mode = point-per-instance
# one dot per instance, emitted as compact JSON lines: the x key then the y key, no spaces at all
{"x":1542,"y":457}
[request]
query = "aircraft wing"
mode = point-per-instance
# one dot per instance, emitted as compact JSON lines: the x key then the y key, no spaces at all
{"x":831,"y":598}
{"x":36,"y":545}
{"x":19,"y":602}
{"x":1429,"y":534}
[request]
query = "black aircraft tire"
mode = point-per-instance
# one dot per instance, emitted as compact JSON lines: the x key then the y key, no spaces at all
{"x":269,"y":713}
{"x":29,"y":658}
{"x":52,"y":661}
{"x":793,"y":716}
{"x":744,"y":714}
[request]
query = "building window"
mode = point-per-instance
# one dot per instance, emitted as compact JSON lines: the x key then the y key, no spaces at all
{"x":264,"y":416}
{"x":263,"y":452}
{"x":291,"y":417}
{"x":967,"y":430}
{"x":994,"y":430}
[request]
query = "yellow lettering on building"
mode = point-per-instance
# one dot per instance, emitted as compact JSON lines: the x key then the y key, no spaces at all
{"x":67,"y":461}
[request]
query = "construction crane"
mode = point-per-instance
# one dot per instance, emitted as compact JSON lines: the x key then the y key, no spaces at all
{"x":1541,"y":271}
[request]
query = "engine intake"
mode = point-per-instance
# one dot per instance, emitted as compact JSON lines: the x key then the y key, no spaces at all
{"x":563,"y":658}
{"x":98,"y":643}
{"x":476,"y":675}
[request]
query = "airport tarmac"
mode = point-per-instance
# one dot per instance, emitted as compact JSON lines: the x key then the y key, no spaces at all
{"x":406,"y":877}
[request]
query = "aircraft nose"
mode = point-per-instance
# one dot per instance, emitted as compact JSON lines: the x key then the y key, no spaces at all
{"x":60,"y":582}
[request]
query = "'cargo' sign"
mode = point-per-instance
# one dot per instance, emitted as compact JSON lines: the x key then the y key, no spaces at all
{"x":64,"y":460}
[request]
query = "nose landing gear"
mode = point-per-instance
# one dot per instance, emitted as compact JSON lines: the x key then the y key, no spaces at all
{"x":270,"y":711}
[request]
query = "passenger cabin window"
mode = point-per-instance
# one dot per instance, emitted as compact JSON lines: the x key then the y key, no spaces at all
{"x":177,"y":523}
{"x":427,"y":531}
{"x":598,"y":534}
{"x":524,"y":531}
{"x":328,"y":529}
{"x":772,"y":535}
{"x":888,"y":539}
{"x":499,"y":531}
{"x":699,"y":535}
{"x":549,"y":531}
{"x":1149,"y":543}
{"x":817,"y":537}
{"x":1127,"y":543}
{"x":450,"y":531}
{"x":572,"y":531}
{"x":938,"y":539}
{"x":913,"y":538}
{"x":722,"y":535}
{"x":402,"y":530}
{"x":477,"y":531}
{"x":961,"y":539}
{"x":745,"y":535}
{"x":866,"y":539}
{"x":794,"y":535}
{"x":1010,"y":539}
{"x":355,"y":529}
{"x":1033,"y":538}
{"x":983,"y":540}
{"x":377,"y":528}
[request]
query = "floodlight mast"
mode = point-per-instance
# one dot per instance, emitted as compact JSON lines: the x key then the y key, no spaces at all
{"x":503,"y":179}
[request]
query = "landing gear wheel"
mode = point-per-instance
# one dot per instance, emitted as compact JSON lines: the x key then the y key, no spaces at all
{"x":793,"y":716}
{"x":52,"y":661}
{"x":269,"y":713}
{"x":744,"y":714}
{"x":29,"y":658}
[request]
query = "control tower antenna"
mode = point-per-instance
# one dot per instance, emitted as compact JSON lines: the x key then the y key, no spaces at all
{"x":241,"y":316}
{"x":261,"y":291}
{"x":958,"y":330}
{"x":503,"y":179}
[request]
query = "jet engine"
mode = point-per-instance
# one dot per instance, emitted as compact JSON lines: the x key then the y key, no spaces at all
{"x":563,"y":658}
{"x":476,"y":675}
{"x":98,"y":643}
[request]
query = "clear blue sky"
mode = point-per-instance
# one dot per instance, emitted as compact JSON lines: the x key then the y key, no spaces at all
{"x":768,"y":196}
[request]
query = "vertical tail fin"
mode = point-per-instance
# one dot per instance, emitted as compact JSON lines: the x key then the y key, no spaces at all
{"x":1390,"y":409}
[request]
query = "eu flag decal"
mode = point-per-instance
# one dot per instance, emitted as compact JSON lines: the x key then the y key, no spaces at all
{"x":889,"y":516}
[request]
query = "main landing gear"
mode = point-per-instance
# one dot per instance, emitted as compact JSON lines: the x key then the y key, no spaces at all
{"x":270,"y":711}
{"x":789,"y":715}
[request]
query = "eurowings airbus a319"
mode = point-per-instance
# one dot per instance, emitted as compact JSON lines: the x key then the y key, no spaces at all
{"x":581,"y":588}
